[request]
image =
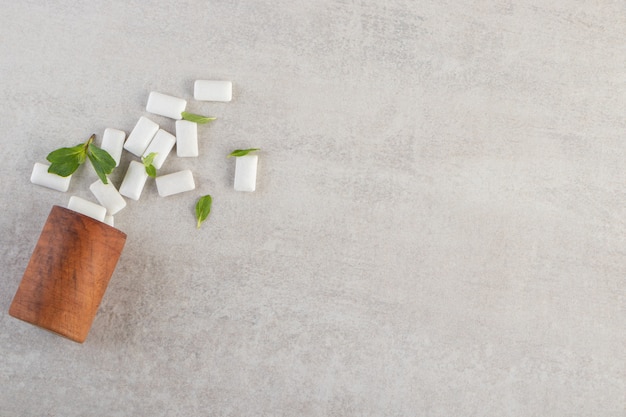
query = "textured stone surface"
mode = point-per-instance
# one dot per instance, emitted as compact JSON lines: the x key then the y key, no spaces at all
{"x":438,"y":227}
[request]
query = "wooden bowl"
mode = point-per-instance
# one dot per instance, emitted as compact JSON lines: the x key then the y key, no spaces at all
{"x":68,"y":274}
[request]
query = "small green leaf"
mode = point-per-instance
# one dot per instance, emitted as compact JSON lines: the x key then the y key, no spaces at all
{"x":242,"y":152}
{"x":203,"y":208}
{"x":78,"y":153}
{"x":151,"y":171}
{"x":64,"y":169}
{"x":147,"y":162}
{"x":149,"y":159}
{"x":65,"y":161}
{"x":102,"y":162}
{"x":196,"y":118}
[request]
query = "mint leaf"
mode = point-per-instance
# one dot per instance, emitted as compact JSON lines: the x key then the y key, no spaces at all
{"x":65,"y":161}
{"x":102,"y":162}
{"x":147,"y":162}
{"x":149,"y":159}
{"x":64,"y":169}
{"x":196,"y":118}
{"x":151,"y":171}
{"x":203,"y":208}
{"x":242,"y":152}
{"x":62,"y":155}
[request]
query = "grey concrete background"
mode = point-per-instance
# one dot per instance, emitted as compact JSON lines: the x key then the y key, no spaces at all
{"x":438,"y":227}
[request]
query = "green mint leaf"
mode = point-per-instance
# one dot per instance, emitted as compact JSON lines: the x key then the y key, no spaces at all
{"x":242,"y":152}
{"x":151,"y":171}
{"x":102,"y":162}
{"x":148,"y":159}
{"x":64,"y":169}
{"x":196,"y":118}
{"x":203,"y":208}
{"x":147,"y":162}
{"x":65,"y":161}
{"x":77,"y":153}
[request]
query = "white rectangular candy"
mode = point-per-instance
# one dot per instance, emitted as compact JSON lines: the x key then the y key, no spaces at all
{"x":113,"y":143}
{"x":134,"y":180}
{"x":165,"y":105}
{"x":87,"y":208}
{"x":174,"y":183}
{"x":162,"y":144}
{"x":108,"y":219}
{"x":41,"y":176}
{"x":207,"y":90}
{"x":140,"y":137}
{"x":186,"y":138}
{"x":108,"y":196}
{"x":245,"y":172}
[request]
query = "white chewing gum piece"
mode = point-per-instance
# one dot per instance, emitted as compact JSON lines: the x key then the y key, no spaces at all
{"x":174,"y":183}
{"x":186,"y":138}
{"x":134,"y":180}
{"x":108,"y":196}
{"x":141,"y":135}
{"x":212,"y":90}
{"x":108,"y":219}
{"x":164,"y":105}
{"x":162,"y":144}
{"x":93,"y":210}
{"x":245,"y":172}
{"x":41,"y":176}
{"x":113,"y":143}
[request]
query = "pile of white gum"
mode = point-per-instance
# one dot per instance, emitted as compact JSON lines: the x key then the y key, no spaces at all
{"x":145,"y":138}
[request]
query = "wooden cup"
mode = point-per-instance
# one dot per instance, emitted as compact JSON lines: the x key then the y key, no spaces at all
{"x":68,"y":273}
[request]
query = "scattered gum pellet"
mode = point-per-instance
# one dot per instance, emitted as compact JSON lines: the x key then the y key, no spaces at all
{"x":93,"y":210}
{"x":186,"y":138}
{"x":41,"y":176}
{"x":134,"y":180}
{"x":141,"y":135}
{"x":245,"y":172}
{"x":210,"y":90}
{"x":174,"y":183}
{"x":162,"y":144}
{"x":113,"y":143}
{"x":108,"y":219}
{"x":165,"y":105}
{"x":108,"y":196}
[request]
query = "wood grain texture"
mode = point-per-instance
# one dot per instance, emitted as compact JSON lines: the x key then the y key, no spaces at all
{"x":68,"y":274}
